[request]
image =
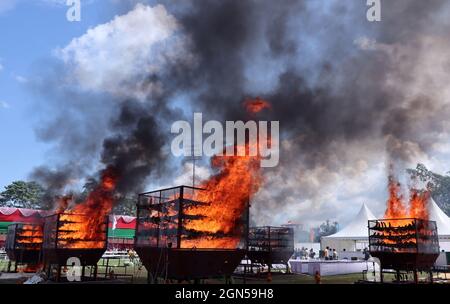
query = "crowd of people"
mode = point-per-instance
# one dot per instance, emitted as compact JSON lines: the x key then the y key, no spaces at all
{"x":309,"y":254}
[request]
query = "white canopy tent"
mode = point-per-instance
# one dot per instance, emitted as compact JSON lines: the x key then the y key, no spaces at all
{"x":354,"y":236}
{"x":442,"y":223}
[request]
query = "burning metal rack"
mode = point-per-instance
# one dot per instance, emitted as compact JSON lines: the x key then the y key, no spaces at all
{"x":62,"y":241}
{"x":404,"y":245}
{"x":270,"y":245}
{"x":164,"y":241}
{"x":24,"y":244}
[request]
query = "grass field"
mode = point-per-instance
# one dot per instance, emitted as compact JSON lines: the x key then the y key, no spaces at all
{"x":126,"y":272}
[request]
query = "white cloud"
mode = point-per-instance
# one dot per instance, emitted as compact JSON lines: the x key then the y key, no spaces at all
{"x":21,"y":79}
{"x":4,"y":105}
{"x":6,"y":5}
{"x":117,"y":57}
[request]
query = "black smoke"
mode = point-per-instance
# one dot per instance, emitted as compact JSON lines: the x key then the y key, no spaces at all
{"x":335,"y":82}
{"x":332,"y":92}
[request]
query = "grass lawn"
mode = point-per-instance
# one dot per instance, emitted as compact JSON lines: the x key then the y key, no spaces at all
{"x":127,"y":272}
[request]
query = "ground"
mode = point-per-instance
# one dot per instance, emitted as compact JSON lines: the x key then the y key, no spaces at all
{"x":136,"y":274}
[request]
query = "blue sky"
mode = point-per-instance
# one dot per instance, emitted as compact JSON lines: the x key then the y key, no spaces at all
{"x":29,"y":32}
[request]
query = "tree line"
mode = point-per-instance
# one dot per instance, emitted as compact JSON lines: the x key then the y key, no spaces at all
{"x":31,"y":195}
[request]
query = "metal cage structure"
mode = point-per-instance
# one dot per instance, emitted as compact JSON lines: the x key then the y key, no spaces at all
{"x":24,"y":243}
{"x":170,"y":248}
{"x":63,"y":241}
{"x":407,"y":245}
{"x":270,"y":245}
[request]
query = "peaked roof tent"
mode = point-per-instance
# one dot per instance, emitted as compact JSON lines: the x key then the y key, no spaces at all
{"x":357,"y":228}
{"x":441,"y":219}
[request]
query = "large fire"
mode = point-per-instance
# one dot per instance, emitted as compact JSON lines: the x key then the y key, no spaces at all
{"x":415,"y":207}
{"x":83,"y":226}
{"x":228,"y":194}
{"x":219,"y":222}
{"x":400,"y":213}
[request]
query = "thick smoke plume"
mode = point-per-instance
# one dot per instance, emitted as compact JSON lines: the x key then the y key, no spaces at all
{"x":349,"y":94}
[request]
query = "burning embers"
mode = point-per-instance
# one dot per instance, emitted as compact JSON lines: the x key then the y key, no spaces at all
{"x":405,"y":239}
{"x":84,"y":225}
{"x":175,"y":218}
{"x":174,"y":225}
{"x":82,"y":231}
{"x":63,"y":231}
{"x":63,"y":242}
{"x":404,"y":245}
{"x":29,"y":234}
{"x":405,"y":223}
{"x":24,"y":243}
{"x":227,"y":195}
{"x":403,"y":236}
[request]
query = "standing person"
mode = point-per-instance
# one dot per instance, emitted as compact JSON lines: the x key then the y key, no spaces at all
{"x":366,"y":254}
{"x":317,"y":278}
{"x":325,"y":254}
{"x":335,"y":254}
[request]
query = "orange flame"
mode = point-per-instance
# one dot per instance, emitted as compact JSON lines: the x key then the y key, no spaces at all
{"x":228,"y":194}
{"x":398,"y":211}
{"x":256,"y":105}
{"x":417,"y":206}
{"x":30,"y":234}
{"x":84,"y":225}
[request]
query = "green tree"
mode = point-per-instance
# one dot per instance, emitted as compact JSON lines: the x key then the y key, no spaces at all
{"x":21,"y":194}
{"x":325,"y":229}
{"x":437,"y":183}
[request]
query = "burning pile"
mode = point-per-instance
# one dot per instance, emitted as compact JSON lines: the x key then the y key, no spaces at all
{"x":83,"y":226}
{"x":227,"y":195}
{"x":406,"y":239}
{"x":212,"y":217}
{"x":405,"y":224}
{"x":29,"y":234}
{"x":24,"y":243}
{"x":417,"y":207}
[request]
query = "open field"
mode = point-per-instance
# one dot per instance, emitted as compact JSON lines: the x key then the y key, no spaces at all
{"x":126,"y":272}
{"x":137,"y":274}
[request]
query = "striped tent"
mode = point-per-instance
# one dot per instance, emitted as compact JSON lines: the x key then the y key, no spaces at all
{"x":120,"y":231}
